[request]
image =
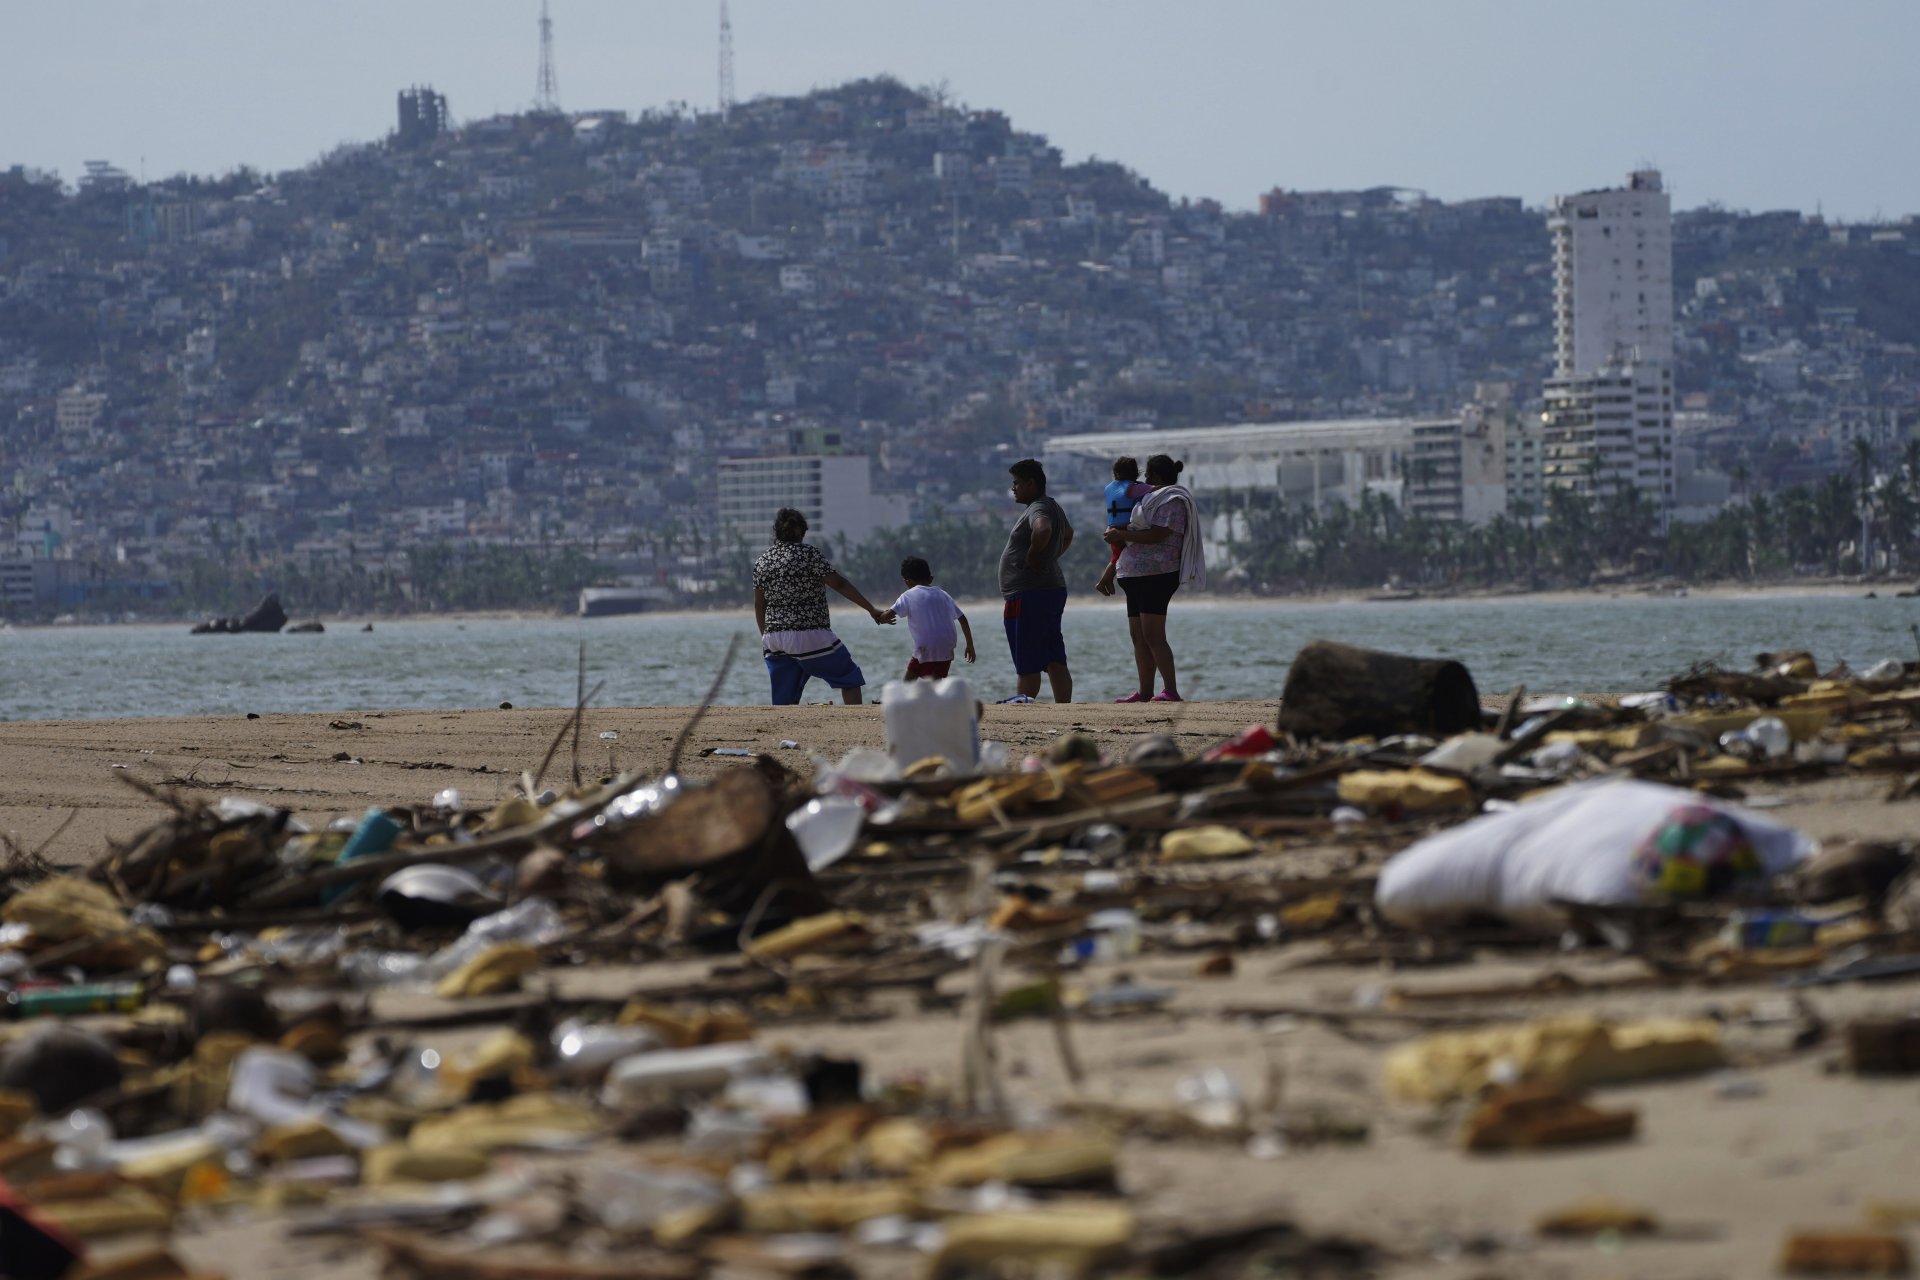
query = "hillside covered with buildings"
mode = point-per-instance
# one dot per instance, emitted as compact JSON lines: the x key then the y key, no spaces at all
{"x":484,"y":364}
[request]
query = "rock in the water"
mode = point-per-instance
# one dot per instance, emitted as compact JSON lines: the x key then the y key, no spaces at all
{"x":265,"y":616}
{"x":311,"y":627}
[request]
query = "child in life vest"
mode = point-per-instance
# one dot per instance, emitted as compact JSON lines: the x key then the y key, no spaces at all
{"x":1120,"y":493}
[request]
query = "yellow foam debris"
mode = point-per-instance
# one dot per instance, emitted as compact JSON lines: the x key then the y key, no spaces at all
{"x":833,"y":931}
{"x":1574,"y":1052}
{"x":1060,"y":1239}
{"x":492,"y":972}
{"x":528,"y":1119}
{"x":1205,"y":842}
{"x":396,"y":1162}
{"x":1414,"y":790}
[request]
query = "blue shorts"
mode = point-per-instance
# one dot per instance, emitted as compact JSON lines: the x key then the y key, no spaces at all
{"x":1033,"y":629}
{"x":789,"y":672}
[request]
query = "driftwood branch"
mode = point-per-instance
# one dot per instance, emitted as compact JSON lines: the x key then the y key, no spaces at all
{"x":553,"y":747}
{"x":713,"y":691}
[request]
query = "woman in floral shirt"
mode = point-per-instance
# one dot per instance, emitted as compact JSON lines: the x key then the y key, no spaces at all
{"x":790,"y":581}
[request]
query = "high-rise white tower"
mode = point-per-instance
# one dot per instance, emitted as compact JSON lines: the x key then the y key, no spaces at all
{"x":1613,"y":276}
{"x":1608,"y":420}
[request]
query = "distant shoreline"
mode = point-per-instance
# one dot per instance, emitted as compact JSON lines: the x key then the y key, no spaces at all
{"x":1778,"y":590}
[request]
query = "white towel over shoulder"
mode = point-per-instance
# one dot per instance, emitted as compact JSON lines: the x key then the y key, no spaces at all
{"x":1193,"y":561}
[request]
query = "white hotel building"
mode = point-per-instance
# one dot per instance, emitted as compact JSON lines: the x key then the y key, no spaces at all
{"x":1608,"y":411}
{"x":833,"y":491}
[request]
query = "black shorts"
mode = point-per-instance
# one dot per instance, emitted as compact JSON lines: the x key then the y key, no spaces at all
{"x":1151,"y":594}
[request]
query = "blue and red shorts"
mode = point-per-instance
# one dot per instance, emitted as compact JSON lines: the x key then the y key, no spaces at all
{"x":1033,"y":629}
{"x":789,"y":672}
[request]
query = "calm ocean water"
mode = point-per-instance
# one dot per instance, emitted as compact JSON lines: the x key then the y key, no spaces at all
{"x":1225,"y":651}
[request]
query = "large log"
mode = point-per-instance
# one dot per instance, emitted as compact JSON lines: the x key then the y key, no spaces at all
{"x":727,"y":838}
{"x":1336,"y":691}
{"x":705,"y":825}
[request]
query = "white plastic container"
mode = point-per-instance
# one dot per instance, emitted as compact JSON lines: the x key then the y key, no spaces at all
{"x":670,"y":1074}
{"x":825,"y":829}
{"x":932,"y":718}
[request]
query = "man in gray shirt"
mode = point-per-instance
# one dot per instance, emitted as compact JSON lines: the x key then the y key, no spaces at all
{"x":1034,"y":587}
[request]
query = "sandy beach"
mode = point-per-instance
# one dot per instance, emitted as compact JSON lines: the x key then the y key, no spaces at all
{"x":1728,"y":1168}
{"x":59,"y":792}
{"x":58,"y":784}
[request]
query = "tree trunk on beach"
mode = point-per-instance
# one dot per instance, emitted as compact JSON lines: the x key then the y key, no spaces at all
{"x":1337,"y":691}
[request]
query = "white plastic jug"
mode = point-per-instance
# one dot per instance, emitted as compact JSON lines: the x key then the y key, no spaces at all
{"x":932,"y":718}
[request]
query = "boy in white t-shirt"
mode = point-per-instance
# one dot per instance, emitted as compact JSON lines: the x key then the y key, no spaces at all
{"x":930,"y":614}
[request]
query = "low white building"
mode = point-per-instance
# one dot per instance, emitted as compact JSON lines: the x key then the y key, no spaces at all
{"x":1429,"y":465}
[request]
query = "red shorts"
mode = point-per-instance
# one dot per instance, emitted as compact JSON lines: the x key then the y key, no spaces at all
{"x":918,"y":670}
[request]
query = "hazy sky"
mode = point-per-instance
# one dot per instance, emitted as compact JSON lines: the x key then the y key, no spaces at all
{"x":1757,"y":104}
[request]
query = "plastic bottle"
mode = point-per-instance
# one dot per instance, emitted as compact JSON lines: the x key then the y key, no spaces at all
{"x":1771,"y":735}
{"x":632,"y":1197}
{"x":583,"y":1048}
{"x":767,"y":1096}
{"x":88,"y":997}
{"x":375,"y":834}
{"x":1211,"y":1098}
{"x":1116,"y":933}
{"x":534,"y":921}
{"x":1767,"y":738}
{"x":932,"y":718}
{"x":668,"y":1074}
{"x":1558,"y":758}
{"x":83,"y":1136}
{"x":1758,"y":930}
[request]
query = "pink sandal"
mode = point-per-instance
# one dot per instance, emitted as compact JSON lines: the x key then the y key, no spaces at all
{"x":1133,"y":697}
{"x":1166,"y":695}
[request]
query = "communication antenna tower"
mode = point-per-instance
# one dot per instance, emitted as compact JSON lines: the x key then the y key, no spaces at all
{"x":546,"y":96}
{"x":726,"y":62}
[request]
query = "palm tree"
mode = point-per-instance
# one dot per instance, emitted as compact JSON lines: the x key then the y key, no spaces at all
{"x":1864,"y":498}
{"x":1570,"y":531}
